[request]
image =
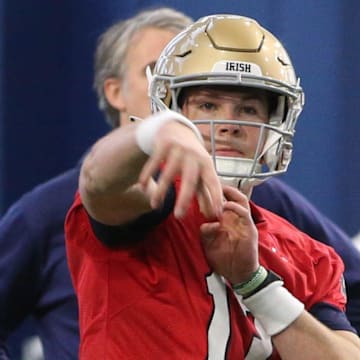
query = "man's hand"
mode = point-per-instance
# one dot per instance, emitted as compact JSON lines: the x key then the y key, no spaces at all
{"x":231,"y":244}
{"x":180,"y":151}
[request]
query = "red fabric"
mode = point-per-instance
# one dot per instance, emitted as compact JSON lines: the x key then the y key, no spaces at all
{"x":153,"y":301}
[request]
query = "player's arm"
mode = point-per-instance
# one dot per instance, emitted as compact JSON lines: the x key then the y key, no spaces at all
{"x":307,"y":338}
{"x":116,"y":181}
{"x":107,"y":177}
{"x":323,"y":332}
{"x":295,"y":333}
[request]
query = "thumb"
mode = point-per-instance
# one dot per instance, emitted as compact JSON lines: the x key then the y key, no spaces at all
{"x":208,"y":231}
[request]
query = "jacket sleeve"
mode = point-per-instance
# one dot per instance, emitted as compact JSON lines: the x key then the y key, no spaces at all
{"x":20,"y":266}
{"x":3,"y":352}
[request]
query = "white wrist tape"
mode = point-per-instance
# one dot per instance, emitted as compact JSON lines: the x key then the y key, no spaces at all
{"x":274,"y":307}
{"x":146,"y":132}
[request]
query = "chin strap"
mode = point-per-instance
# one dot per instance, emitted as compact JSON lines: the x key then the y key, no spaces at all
{"x":237,"y":167}
{"x":227,"y":167}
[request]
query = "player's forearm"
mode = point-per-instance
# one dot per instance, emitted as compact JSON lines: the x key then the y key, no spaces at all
{"x":307,"y":338}
{"x":113,"y":164}
{"x":296,"y":334}
{"x":107,"y":175}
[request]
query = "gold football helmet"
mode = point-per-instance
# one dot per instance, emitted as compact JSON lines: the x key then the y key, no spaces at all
{"x":236,"y":51}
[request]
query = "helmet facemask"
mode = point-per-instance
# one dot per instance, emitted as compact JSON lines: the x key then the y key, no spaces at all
{"x":179,"y":67}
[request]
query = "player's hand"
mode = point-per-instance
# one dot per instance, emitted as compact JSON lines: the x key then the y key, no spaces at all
{"x":231,"y":244}
{"x":180,"y":151}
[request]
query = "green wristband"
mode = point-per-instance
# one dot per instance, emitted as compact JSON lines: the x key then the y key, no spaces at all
{"x":247,"y":287}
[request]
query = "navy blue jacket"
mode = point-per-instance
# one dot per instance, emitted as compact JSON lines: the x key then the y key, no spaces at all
{"x":33,"y":270}
{"x":34,"y":278}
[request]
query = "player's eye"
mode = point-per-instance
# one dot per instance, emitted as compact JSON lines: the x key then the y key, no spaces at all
{"x":249,"y":110}
{"x":207,"y":106}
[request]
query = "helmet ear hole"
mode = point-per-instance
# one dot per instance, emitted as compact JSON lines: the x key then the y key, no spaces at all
{"x":285,"y":156}
{"x":273,"y":102}
{"x":180,"y":99}
{"x":278,"y":114}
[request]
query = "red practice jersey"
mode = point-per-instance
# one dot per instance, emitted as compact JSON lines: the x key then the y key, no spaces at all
{"x":158,"y":298}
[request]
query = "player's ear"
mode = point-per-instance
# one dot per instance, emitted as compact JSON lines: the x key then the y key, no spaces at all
{"x":114,"y":94}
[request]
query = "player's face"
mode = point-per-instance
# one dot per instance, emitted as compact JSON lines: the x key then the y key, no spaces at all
{"x":211,"y":103}
{"x":145,"y":49}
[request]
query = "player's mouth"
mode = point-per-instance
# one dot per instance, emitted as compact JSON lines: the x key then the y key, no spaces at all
{"x":230,"y":152}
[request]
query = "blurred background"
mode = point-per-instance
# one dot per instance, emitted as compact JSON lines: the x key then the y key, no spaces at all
{"x":49,"y":115}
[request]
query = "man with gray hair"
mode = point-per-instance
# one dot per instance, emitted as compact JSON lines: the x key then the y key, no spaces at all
{"x":125,"y":40}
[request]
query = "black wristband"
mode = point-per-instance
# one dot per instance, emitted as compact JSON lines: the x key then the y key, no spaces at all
{"x":270,"y":278}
